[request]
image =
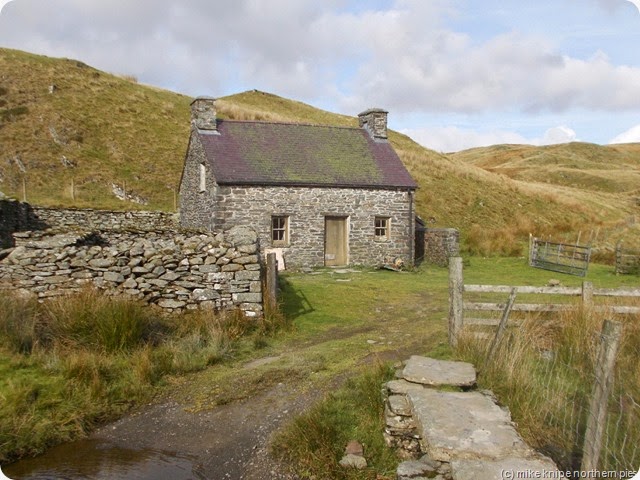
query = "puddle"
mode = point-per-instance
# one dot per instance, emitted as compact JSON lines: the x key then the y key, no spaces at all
{"x":100,"y":460}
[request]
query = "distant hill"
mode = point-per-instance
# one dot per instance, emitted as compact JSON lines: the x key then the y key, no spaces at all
{"x":71,"y":135}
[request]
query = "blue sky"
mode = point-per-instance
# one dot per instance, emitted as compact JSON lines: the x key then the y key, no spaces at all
{"x":454,"y":74}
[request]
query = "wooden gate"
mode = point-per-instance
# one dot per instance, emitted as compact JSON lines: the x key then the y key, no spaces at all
{"x":335,"y":241}
{"x":559,"y":257}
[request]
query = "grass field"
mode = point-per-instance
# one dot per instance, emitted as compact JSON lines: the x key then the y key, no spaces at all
{"x":409,"y":310}
{"x":339,"y":326}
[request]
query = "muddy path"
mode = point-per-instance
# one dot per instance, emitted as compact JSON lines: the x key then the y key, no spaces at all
{"x":218,"y":423}
{"x":226,"y":442}
{"x":230,"y":441}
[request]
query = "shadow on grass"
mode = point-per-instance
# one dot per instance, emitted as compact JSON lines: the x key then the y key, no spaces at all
{"x":293,"y":300}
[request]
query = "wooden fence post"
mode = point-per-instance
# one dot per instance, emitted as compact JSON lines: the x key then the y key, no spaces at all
{"x":604,"y":372}
{"x":456,"y":286}
{"x":587,"y":294}
{"x":502,"y":325}
{"x":271,"y":281}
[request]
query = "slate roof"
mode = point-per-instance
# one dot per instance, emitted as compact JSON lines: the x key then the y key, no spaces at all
{"x":260,"y":153}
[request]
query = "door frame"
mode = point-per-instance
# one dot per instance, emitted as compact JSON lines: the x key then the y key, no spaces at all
{"x":345,"y":239}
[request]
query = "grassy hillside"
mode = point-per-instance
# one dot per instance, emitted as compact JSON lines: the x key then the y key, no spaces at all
{"x":602,"y":180}
{"x":95,"y":130}
{"x":98,"y":130}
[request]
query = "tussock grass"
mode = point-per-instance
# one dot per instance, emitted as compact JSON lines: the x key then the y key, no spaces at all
{"x":77,"y":361}
{"x":314,"y":442}
{"x":544,"y":373}
{"x":99,"y":323}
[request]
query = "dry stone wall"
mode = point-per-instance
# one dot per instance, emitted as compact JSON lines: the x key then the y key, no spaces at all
{"x":70,"y":218}
{"x":20,"y":216}
{"x":14,"y":217}
{"x":440,"y":244}
{"x":175,"y":271}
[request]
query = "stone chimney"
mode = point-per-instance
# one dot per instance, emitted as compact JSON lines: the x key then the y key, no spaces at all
{"x":203,"y":114}
{"x":375,"y":121}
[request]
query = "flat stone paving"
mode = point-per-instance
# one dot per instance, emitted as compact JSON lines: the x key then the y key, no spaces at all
{"x":467,"y":431}
{"x":510,"y":467}
{"x":428,"y":371}
{"x":464,"y":425}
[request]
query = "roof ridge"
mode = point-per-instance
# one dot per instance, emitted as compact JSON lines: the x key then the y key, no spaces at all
{"x":323,"y":125}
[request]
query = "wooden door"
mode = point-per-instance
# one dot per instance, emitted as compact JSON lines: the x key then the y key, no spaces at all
{"x":335,"y":241}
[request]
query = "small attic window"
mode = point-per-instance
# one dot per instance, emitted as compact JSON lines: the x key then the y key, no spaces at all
{"x":203,"y":177}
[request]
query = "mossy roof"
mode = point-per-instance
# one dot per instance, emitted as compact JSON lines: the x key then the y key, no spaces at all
{"x":260,"y":153}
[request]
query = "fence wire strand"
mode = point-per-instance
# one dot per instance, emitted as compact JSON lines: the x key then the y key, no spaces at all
{"x":560,"y":392}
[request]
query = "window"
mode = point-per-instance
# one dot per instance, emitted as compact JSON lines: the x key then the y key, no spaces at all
{"x":203,"y":177}
{"x":279,"y":230}
{"x":381,"y":228}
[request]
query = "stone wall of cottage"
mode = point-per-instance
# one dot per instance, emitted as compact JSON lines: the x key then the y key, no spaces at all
{"x":175,"y":271}
{"x":440,"y":244}
{"x":196,"y":206}
{"x":307,"y":209}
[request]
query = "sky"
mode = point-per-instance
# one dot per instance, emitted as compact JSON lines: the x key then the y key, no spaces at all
{"x":453,"y":74}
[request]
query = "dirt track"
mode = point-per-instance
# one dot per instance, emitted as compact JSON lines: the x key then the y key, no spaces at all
{"x":226,"y":442}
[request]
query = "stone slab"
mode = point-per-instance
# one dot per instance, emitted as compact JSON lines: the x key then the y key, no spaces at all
{"x":401,"y":387}
{"x":398,"y":422}
{"x":399,"y":405}
{"x":464,"y":425}
{"x":432,"y":372}
{"x":415,"y":469}
{"x":509,"y":467}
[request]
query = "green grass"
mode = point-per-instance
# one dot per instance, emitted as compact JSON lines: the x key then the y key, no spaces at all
{"x":544,"y":373}
{"x":314,"y":442}
{"x":76,"y":362}
{"x":333,"y":320}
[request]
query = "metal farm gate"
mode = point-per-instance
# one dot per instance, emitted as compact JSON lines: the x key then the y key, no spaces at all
{"x":559,"y":257}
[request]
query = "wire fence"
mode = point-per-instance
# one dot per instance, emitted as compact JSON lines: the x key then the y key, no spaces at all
{"x":573,"y":396}
{"x":563,"y":403}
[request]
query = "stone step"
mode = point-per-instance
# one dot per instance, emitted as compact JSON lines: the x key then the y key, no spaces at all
{"x":509,"y":467}
{"x":464,"y":425}
{"x":432,"y":372}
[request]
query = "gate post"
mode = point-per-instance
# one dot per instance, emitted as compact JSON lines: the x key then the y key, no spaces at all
{"x":587,"y":294}
{"x":456,"y":287}
{"x":596,"y":422}
{"x":271,"y":282}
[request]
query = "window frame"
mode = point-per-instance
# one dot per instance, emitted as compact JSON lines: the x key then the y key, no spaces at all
{"x":281,"y":229}
{"x":202,"y":180}
{"x":381,"y":233}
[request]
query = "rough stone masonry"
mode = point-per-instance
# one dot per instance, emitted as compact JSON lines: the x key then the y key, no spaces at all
{"x":454,"y":434}
{"x":175,"y":271}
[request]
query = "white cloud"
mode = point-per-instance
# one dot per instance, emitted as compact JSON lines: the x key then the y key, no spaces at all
{"x":630,"y":136}
{"x":453,"y":139}
{"x":436,"y":57}
{"x":3,"y":3}
{"x":636,"y":3}
{"x":560,"y":134}
{"x":406,"y":56}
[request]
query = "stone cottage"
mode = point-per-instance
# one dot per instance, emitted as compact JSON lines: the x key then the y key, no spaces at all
{"x":318,"y":195}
